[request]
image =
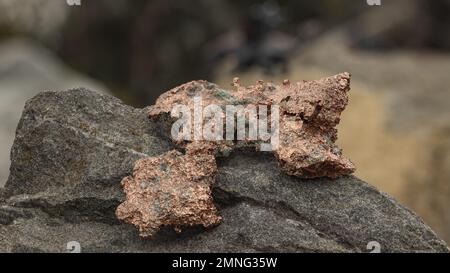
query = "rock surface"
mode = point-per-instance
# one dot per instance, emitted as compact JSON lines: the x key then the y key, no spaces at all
{"x":27,"y":68}
{"x":73,"y":148}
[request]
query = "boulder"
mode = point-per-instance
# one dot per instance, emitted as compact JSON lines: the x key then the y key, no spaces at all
{"x":72,"y":149}
{"x":26,"y":68}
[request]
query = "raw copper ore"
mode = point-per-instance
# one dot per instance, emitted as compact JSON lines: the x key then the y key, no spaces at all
{"x":172,"y":189}
{"x":179,"y":193}
{"x":309,"y":112}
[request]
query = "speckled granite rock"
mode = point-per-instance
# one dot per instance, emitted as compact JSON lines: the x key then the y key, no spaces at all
{"x":73,"y":148}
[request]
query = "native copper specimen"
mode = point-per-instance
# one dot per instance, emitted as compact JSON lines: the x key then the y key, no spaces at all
{"x":309,"y":112}
{"x":174,"y":189}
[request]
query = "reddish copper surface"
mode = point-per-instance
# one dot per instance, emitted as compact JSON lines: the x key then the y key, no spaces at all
{"x":309,"y":112}
{"x":174,"y":188}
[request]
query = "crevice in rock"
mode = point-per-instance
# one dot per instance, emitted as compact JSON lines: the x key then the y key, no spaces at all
{"x":8,"y":215}
{"x":226,"y":199}
{"x":79,"y":210}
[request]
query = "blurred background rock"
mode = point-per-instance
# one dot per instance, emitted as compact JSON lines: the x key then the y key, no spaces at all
{"x":396,"y":128}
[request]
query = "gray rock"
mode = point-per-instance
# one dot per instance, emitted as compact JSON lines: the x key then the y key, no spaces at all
{"x":26,"y":69}
{"x":72,"y":149}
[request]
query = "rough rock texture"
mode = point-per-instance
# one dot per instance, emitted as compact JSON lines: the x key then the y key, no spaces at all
{"x":26,"y":68}
{"x":170,"y":190}
{"x":73,"y":148}
{"x":308,"y":114}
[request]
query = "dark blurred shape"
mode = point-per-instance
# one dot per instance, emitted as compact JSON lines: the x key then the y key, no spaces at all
{"x":414,"y":24}
{"x":142,"y":48}
{"x":259,"y":44}
{"x":272,"y":31}
{"x":260,"y":23}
